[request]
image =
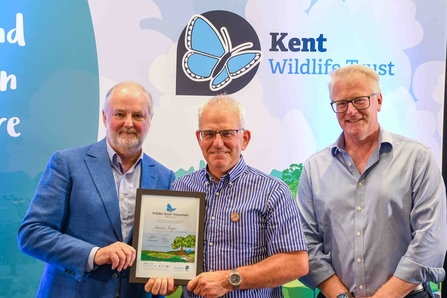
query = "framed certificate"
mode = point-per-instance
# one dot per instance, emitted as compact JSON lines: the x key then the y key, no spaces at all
{"x":168,"y":235}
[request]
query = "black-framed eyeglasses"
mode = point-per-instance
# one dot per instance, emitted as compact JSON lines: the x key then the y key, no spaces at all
{"x":360,"y":103}
{"x":225,"y":134}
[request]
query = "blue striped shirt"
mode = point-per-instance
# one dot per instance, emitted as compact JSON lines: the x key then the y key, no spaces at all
{"x":269,"y":221}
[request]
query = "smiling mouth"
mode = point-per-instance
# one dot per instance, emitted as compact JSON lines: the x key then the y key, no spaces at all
{"x":354,"y":120}
{"x":128,"y":132}
{"x":125,"y":134}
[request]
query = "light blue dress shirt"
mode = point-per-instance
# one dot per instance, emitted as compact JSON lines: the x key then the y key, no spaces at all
{"x":367,"y":227}
{"x":126,"y":189}
{"x":269,"y":221}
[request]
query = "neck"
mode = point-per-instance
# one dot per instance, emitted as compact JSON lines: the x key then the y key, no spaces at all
{"x":215,"y":177}
{"x":361,"y":149}
{"x":128,"y":157}
{"x":362,"y":144}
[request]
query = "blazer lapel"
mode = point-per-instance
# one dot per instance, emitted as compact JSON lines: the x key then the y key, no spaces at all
{"x":147,"y":173}
{"x":98,"y":164}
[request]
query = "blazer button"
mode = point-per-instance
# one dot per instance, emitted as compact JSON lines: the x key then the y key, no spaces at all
{"x":115,"y":275}
{"x":71,"y":272}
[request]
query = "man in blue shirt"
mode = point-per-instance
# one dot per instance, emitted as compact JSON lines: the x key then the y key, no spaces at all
{"x":373,"y":204}
{"x":253,"y":239}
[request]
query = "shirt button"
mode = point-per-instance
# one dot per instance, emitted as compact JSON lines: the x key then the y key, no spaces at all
{"x":359,"y":260}
{"x":358,"y":234}
{"x":213,"y":218}
{"x":115,"y":275}
{"x":211,"y":244}
{"x":361,"y":287}
{"x":360,"y":184}
{"x":349,"y":164}
{"x":217,"y":193}
{"x":359,"y":208}
{"x":211,"y":270}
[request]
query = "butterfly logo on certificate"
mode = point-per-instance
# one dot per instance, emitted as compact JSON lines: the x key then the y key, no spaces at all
{"x":211,"y":57}
{"x":169,"y":208}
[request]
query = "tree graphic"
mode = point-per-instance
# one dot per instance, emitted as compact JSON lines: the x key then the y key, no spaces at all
{"x":182,"y":242}
{"x":291,"y":177}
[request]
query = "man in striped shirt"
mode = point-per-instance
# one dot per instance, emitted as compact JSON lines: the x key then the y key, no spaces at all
{"x":253,"y":239}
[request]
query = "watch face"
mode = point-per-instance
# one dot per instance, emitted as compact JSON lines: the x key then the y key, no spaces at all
{"x":235,"y":279}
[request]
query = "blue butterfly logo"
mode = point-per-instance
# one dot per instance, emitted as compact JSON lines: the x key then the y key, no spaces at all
{"x":169,"y":208}
{"x":211,"y":57}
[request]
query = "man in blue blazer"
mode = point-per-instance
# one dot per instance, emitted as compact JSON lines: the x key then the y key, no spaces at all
{"x":80,"y":220}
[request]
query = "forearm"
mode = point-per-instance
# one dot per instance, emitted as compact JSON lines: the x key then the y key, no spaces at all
{"x":53,"y":247}
{"x":275,"y":270}
{"x":395,"y":287}
{"x":332,"y":286}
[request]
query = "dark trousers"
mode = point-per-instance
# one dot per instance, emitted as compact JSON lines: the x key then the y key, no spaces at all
{"x":426,"y":293}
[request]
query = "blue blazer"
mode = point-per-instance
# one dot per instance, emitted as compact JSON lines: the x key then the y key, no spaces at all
{"x":74,"y":209}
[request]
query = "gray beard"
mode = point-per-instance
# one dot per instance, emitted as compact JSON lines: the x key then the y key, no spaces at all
{"x":130,"y":143}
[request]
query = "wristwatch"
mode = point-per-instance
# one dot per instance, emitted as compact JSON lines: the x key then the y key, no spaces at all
{"x":346,"y":295}
{"x":235,"y":279}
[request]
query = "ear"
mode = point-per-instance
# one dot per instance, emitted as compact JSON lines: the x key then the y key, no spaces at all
{"x":104,"y":118}
{"x":198,"y":137}
{"x":379,"y":102}
{"x":245,"y":139}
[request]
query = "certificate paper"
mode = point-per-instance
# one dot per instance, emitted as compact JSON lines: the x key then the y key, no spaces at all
{"x":168,"y":235}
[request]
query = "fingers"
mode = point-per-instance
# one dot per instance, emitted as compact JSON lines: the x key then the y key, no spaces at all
{"x":150,"y":283}
{"x":160,"y":286}
{"x":171,"y":288}
{"x":119,"y":254}
{"x":209,"y":284}
{"x":192,"y":284}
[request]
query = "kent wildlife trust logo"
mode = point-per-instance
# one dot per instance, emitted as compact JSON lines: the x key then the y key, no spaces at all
{"x":218,"y":52}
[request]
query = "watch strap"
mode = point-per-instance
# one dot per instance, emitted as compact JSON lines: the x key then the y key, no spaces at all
{"x":346,"y":295}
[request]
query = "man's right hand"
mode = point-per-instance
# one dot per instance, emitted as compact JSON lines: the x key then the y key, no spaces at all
{"x":160,"y":286}
{"x":119,"y":254}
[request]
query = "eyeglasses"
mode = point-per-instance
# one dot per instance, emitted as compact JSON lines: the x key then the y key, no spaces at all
{"x":226,"y":134}
{"x":360,"y":103}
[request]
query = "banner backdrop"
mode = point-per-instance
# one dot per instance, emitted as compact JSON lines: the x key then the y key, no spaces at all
{"x":59,"y":58}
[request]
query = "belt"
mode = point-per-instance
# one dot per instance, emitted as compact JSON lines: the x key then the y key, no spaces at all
{"x":418,"y":289}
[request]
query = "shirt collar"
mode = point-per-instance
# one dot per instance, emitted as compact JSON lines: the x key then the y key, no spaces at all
{"x":114,"y":158}
{"x":235,"y":172}
{"x":385,"y":142}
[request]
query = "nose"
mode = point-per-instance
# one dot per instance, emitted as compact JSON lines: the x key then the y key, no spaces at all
{"x":351,"y":109}
{"x":128,"y":122}
{"x":218,"y":141}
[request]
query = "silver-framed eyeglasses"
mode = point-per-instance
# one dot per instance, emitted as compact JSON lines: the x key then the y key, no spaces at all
{"x":360,"y":103}
{"x":225,"y":134}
